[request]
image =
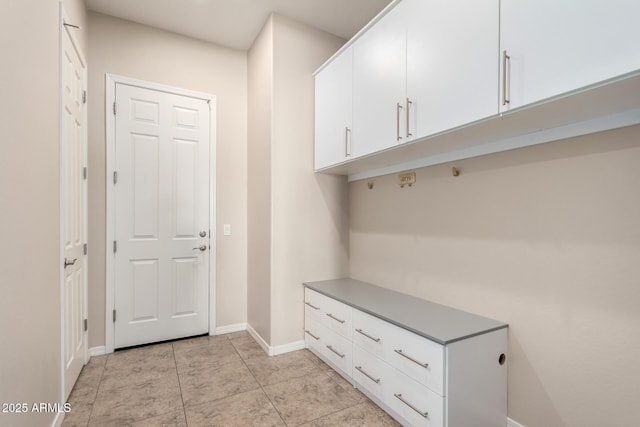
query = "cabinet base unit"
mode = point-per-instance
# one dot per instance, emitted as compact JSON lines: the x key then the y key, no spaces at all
{"x":425,"y":364}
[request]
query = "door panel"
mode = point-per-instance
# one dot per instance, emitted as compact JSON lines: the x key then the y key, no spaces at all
{"x":161,"y":206}
{"x":73,"y":205}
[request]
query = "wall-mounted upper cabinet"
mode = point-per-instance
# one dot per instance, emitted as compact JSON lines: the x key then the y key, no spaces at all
{"x":435,"y":81}
{"x":451,"y":63}
{"x":379,"y":84}
{"x":551,"y":47}
{"x":333,"y":116}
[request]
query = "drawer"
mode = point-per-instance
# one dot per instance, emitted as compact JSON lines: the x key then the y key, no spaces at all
{"x":312,"y":304}
{"x":336,"y":316}
{"x":372,"y":334}
{"x":338,"y":350}
{"x":313,"y":332}
{"x":414,"y":402}
{"x":418,"y":357}
{"x":372,"y":373}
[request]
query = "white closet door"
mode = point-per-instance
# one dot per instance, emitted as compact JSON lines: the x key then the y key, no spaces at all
{"x":161,"y":216}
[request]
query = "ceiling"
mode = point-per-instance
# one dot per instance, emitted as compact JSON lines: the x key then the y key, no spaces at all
{"x":236,"y":23}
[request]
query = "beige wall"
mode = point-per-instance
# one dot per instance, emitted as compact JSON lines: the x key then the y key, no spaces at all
{"x":140,"y":52}
{"x":545,"y":238}
{"x":310,"y":223}
{"x":260,"y":91}
{"x":29,"y":208}
{"x":298,"y":228}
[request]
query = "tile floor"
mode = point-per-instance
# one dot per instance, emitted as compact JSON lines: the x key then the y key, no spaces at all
{"x":226,"y":380}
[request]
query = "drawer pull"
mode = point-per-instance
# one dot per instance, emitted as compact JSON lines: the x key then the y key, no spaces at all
{"x":424,"y":365}
{"x":367,"y":335}
{"x":313,"y":336}
{"x":335,"y":318}
{"x":339,"y":354}
{"x":375,"y":380}
{"x":312,"y":306}
{"x":399,"y":396}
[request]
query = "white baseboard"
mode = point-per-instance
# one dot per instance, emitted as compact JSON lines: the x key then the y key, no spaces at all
{"x":286,"y":348}
{"x":57,"y":421}
{"x":231,"y":328}
{"x":511,"y":423}
{"x":275,"y":350}
{"x":97,"y":351}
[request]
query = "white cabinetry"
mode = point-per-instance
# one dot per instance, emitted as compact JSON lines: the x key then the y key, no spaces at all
{"x":333,"y":101}
{"x":461,"y":382}
{"x":379,"y":88}
{"x":451,"y":63}
{"x":554,"y":47}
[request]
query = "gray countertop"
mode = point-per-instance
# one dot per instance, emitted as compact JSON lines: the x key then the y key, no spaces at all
{"x":436,"y":322}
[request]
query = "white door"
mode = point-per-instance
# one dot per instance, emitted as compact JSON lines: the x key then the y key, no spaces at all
{"x":161,"y":188}
{"x":73,"y":196}
{"x":334,"y":102}
{"x":555,"y":47}
{"x":379,"y":84}
{"x":451,"y":63}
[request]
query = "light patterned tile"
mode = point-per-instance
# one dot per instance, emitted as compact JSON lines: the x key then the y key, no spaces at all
{"x":271,"y":370}
{"x":198,"y":342}
{"x":310,"y":397}
{"x":79,"y":415}
{"x":206,"y":357}
{"x":248,"y":348}
{"x":131,"y":403}
{"x":252,"y":408}
{"x":172,"y":419}
{"x":199,"y":386}
{"x":363,"y":415}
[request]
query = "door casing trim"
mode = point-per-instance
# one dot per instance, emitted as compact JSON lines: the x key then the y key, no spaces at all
{"x":110,"y":84}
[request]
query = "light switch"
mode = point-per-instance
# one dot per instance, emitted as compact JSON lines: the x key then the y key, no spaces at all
{"x":226,"y":229}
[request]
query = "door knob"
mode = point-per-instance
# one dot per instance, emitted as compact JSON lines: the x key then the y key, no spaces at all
{"x":201,"y":248}
{"x":67,"y":263}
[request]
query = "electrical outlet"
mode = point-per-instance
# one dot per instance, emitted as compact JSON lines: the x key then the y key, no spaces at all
{"x":226,"y":229}
{"x":407,"y":179}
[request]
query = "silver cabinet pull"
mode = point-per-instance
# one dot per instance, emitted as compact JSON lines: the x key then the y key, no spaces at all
{"x":505,"y":58}
{"x":375,"y":380}
{"x":312,"y":306}
{"x":398,"y":108}
{"x":312,"y":336}
{"x":424,"y":365}
{"x":347,"y":141}
{"x":360,"y":331}
{"x":201,"y":248}
{"x":339,"y":354}
{"x":335,"y":318}
{"x":67,"y":263}
{"x":399,"y":396}
{"x":409,"y":104}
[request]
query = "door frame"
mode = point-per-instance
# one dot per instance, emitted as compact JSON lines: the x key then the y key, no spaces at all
{"x":62,"y":19}
{"x":110,"y":85}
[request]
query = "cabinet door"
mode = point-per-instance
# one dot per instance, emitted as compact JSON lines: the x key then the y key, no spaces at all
{"x":452,"y":61}
{"x":333,"y":102}
{"x":379,"y":84}
{"x":556,"y":47}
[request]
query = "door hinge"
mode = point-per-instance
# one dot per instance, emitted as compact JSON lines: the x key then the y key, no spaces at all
{"x":86,"y":324}
{"x":115,"y":246}
{"x":85,"y":249}
{"x":114,"y":108}
{"x":84,"y":173}
{"x":84,"y":96}
{"x":114,"y":315}
{"x":115,"y":177}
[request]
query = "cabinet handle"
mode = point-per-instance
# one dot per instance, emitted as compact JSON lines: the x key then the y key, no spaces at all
{"x":331,"y":348}
{"x":398,"y":108}
{"x":424,"y":365}
{"x":313,"y":336}
{"x":409,"y":104}
{"x":360,"y":331}
{"x":347,"y":141}
{"x":505,"y":58}
{"x":335,"y":318}
{"x":375,"y":380}
{"x":399,"y":396}
{"x":312,"y":306}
